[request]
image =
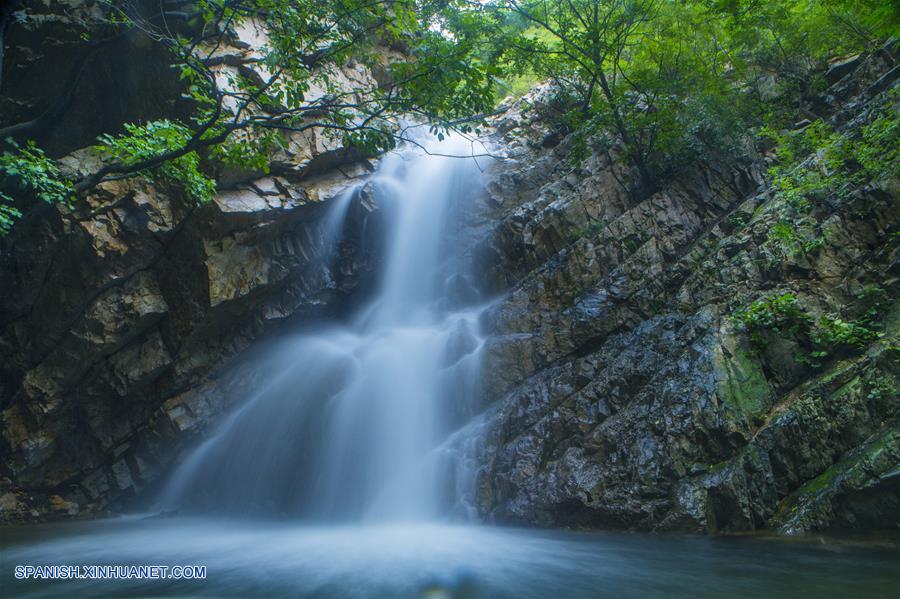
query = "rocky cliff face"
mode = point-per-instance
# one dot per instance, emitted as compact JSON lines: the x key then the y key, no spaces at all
{"x":619,"y":391}
{"x":624,"y":394}
{"x":119,"y":316}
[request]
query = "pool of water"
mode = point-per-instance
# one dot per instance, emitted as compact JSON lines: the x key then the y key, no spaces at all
{"x":279,"y":559}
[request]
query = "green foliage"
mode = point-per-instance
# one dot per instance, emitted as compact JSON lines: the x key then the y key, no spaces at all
{"x":872,"y":304}
{"x":664,"y":82}
{"x":680,"y":80}
{"x":834,"y":332}
{"x":779,"y":313}
{"x":878,"y":151}
{"x":301,"y":79}
{"x":784,"y":316}
{"x":460,"y":81}
{"x":817,"y":162}
{"x":9,"y":214}
{"x":246,"y":152}
{"x":792,"y":238}
{"x":29,"y":169}
{"x":516,"y":85}
{"x":197,"y":90}
{"x":883,"y":388}
{"x":790,"y":38}
{"x":737,"y":220}
{"x":157,"y":138}
{"x":371,"y":141}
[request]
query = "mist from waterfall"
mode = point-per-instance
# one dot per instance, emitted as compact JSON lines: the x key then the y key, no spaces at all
{"x":354,"y":423}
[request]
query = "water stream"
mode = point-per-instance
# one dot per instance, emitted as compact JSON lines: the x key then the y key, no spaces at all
{"x":347,"y":430}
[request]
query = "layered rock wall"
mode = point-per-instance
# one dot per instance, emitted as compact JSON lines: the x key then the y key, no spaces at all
{"x":623,"y":393}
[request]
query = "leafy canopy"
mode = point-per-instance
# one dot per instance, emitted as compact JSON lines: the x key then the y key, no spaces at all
{"x":26,"y":168}
{"x":140,"y":143}
{"x":662,"y":81}
{"x":673,"y":80}
{"x":425,"y":55}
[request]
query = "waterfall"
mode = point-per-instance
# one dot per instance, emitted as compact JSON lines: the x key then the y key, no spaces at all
{"x":359,"y":420}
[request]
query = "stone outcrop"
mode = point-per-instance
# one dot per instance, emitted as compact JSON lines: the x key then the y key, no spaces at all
{"x":117,"y":315}
{"x":121,"y":315}
{"x":624,"y":395}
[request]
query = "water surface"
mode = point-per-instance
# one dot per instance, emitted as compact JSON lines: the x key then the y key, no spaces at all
{"x":280,"y":559}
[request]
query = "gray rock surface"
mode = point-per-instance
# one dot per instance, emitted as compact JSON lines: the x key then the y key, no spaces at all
{"x":622,"y":394}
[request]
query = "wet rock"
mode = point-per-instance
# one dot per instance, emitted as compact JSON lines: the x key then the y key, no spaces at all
{"x":623,"y":394}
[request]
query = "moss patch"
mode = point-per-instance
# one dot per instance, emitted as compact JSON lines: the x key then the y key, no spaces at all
{"x":742,"y":383}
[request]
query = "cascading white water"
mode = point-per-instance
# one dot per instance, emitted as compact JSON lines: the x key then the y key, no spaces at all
{"x":351,"y":425}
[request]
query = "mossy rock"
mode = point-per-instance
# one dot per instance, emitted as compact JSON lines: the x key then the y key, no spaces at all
{"x":862,"y":487}
{"x":743,"y":386}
